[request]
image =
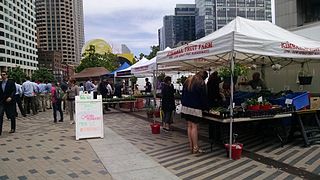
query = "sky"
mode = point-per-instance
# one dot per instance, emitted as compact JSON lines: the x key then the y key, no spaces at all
{"x":134,"y":23}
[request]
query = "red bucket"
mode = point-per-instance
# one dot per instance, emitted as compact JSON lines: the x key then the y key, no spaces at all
{"x":236,"y":150}
{"x":155,"y":128}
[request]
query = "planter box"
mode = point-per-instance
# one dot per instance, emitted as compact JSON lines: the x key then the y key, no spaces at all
{"x":127,"y":105}
{"x":150,"y":114}
{"x":139,"y":103}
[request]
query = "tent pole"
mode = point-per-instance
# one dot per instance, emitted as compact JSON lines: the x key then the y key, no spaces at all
{"x":232,"y":58}
{"x":155,"y":81}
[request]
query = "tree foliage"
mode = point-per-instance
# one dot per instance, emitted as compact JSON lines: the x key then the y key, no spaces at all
{"x":17,"y":74}
{"x":93,"y":59}
{"x":152,"y":54}
{"x":43,"y":74}
{"x":141,"y":55}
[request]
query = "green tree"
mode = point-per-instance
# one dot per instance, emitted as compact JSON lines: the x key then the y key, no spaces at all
{"x":153,"y":53}
{"x":93,"y":59}
{"x":141,"y":55}
{"x":17,"y":74}
{"x":43,"y":74}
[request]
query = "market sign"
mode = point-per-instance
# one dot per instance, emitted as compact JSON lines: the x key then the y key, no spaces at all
{"x":89,"y":118}
{"x":295,"y":49}
{"x":190,"y":50}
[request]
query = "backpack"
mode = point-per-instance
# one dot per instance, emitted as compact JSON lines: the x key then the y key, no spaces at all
{"x":59,"y":94}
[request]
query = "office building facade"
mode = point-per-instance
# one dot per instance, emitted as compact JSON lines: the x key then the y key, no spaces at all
{"x":60,"y":28}
{"x":295,"y":13}
{"x":178,"y":29}
{"x":18,"y":35}
{"x":214,"y":14}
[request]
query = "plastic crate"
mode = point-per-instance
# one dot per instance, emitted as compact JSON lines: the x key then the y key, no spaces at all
{"x":300,"y":100}
{"x":240,"y":97}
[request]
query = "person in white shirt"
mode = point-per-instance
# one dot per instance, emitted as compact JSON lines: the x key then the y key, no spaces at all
{"x":17,"y":97}
{"x":28,"y":90}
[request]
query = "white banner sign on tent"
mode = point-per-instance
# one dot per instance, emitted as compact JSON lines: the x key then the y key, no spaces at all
{"x":89,"y":117}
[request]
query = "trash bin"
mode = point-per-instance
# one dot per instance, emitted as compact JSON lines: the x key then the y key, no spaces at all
{"x":236,"y":150}
{"x":155,"y":128}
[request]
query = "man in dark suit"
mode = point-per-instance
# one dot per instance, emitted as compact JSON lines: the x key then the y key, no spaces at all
{"x":7,"y":103}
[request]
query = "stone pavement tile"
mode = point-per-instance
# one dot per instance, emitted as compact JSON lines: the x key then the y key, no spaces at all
{"x":44,"y":150}
{"x":124,"y":158}
{"x":171,"y":151}
{"x":149,"y":173}
{"x":128,"y":162}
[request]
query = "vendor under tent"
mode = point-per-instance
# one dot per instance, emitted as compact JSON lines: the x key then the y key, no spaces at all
{"x":242,"y":41}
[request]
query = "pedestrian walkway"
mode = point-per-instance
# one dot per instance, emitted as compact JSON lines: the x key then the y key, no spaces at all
{"x":171,"y":150}
{"x":41,"y":149}
{"x":125,"y":161}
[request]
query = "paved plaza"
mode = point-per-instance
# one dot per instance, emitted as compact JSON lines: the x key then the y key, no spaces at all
{"x":41,"y":149}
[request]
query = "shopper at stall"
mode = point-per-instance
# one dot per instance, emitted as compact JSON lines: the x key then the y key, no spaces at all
{"x":118,"y":89}
{"x":194,"y":101}
{"x":72,"y":92}
{"x":168,"y":104}
{"x":148,"y":88}
{"x":103,"y":90}
{"x":256,"y":82}
{"x":213,"y":85}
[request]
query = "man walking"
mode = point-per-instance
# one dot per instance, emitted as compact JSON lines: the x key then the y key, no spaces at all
{"x":7,"y":104}
{"x":17,"y":99}
{"x":48,"y":88}
{"x":42,"y":97}
{"x":29,"y":92}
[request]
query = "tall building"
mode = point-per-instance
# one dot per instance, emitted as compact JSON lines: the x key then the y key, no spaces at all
{"x":214,"y":14}
{"x":294,"y":13}
{"x":178,"y":29}
{"x":60,"y":28}
{"x":18,"y":35}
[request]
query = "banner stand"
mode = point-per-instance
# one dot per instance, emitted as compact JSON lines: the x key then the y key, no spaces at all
{"x":88,"y":117}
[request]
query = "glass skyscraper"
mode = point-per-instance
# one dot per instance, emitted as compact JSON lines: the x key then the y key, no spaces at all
{"x":178,"y":29}
{"x":18,"y":35}
{"x":214,"y":14}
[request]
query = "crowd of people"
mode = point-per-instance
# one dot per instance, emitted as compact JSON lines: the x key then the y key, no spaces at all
{"x":198,"y":96}
{"x":34,"y":96}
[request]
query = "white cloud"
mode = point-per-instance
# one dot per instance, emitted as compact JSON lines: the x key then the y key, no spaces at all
{"x":111,"y":6}
{"x":131,"y":22}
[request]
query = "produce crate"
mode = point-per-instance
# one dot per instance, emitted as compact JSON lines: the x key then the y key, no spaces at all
{"x":300,"y":100}
{"x":261,"y":113}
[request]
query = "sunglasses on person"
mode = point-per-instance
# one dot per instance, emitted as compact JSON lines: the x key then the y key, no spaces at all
{"x":3,"y":74}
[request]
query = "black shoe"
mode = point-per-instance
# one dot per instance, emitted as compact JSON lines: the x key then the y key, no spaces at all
{"x":55,"y":121}
{"x":61,"y":120}
{"x":24,"y":115}
{"x":108,"y":110}
{"x":12,"y":131}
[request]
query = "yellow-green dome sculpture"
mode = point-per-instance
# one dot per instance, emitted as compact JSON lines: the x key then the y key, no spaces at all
{"x":101,"y":46}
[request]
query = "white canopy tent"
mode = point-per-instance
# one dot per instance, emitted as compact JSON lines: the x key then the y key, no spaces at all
{"x":139,"y":63}
{"x":243,"y":41}
{"x":246,"y":40}
{"x":150,"y":66}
